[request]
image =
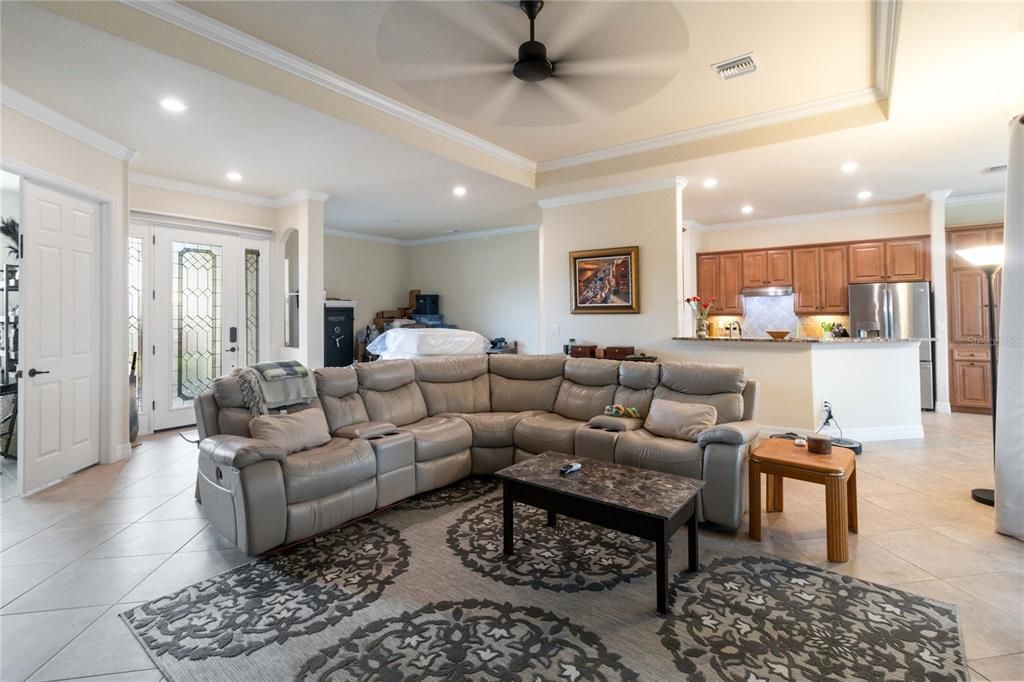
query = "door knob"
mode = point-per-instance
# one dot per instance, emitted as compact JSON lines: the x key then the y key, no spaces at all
{"x":232,"y":349}
{"x":32,"y":372}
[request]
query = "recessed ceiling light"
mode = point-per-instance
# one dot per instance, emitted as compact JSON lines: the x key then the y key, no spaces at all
{"x":173,"y":104}
{"x":849,"y":166}
{"x":864,"y":194}
{"x":747,"y":209}
{"x":459,"y":191}
{"x":710,"y":183}
{"x":233,"y":176}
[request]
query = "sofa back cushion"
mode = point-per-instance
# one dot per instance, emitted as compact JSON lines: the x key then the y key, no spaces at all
{"x":589,"y":385}
{"x":672,"y":419}
{"x":525,"y":382}
{"x":338,"y":389}
{"x":292,"y":432}
{"x":637,"y":381}
{"x":454,"y":384}
{"x":232,"y":414}
{"x":389,"y":392}
{"x":720,"y":386}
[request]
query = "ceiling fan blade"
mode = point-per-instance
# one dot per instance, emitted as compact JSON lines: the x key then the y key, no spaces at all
{"x":439,"y":71}
{"x":655,"y":65}
{"x":423,"y":32}
{"x":580,"y":107}
{"x":501,"y":100}
{"x":462,"y":95}
{"x":564,"y":27}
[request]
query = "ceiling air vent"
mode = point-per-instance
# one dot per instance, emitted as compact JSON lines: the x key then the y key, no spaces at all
{"x":993,"y":169}
{"x":737,"y":66}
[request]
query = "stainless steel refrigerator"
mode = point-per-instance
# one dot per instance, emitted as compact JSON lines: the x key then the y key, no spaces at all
{"x":898,"y":311}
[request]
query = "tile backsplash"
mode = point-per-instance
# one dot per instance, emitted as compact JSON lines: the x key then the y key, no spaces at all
{"x":762,"y":313}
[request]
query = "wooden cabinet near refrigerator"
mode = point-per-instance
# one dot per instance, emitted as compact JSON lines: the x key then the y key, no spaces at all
{"x":890,"y":260}
{"x":970,"y":380}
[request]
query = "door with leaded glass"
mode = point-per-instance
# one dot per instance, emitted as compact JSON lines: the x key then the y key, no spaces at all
{"x":206,"y":314}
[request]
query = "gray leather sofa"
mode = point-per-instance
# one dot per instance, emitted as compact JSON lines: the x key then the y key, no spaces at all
{"x":403,"y":427}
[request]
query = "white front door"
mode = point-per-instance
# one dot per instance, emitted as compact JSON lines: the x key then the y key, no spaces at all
{"x":206,"y":314}
{"x":60,"y":343}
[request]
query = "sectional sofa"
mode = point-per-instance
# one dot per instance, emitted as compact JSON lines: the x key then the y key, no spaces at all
{"x":403,"y":427}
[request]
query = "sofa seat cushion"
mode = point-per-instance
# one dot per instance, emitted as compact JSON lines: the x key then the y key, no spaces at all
{"x":542,"y":432}
{"x":328,"y":469}
{"x":643,"y":449}
{"x":437,"y":437}
{"x":494,"y":429}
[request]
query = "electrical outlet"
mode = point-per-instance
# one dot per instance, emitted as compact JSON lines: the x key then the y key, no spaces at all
{"x":555,"y":330}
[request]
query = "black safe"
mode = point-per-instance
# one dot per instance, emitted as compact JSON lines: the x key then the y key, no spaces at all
{"x":339,"y":339}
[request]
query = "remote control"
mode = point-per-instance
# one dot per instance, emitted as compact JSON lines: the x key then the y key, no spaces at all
{"x":570,"y":469}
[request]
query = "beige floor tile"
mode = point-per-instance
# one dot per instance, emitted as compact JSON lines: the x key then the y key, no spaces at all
{"x":975,"y":676}
{"x":106,"y":647}
{"x":1004,"y":591}
{"x":30,"y":639}
{"x":941,"y":556}
{"x":87,"y":583}
{"x":135,"y":676}
{"x":184,"y":569}
{"x":1001,"y":668}
{"x":9,"y":538}
{"x":17,"y":580}
{"x":982,"y":536}
{"x":208,"y":539}
{"x":114,"y":510}
{"x":58,"y":544}
{"x":181,"y":506}
{"x":987,"y":631}
{"x":158,"y":537}
{"x":931,"y":509}
{"x":156,"y":485}
{"x":868,"y":561}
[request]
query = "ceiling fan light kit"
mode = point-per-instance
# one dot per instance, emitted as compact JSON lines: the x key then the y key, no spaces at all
{"x":533,"y":64}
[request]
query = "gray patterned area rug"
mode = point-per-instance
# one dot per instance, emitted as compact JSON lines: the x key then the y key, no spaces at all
{"x":423,"y":592}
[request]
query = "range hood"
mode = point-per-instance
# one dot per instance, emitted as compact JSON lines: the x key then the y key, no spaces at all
{"x":767,"y":291}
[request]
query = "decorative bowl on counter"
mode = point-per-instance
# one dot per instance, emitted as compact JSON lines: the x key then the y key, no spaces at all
{"x":777,"y":335}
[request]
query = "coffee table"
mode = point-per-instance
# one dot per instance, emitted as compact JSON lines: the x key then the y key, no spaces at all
{"x":648,"y":504}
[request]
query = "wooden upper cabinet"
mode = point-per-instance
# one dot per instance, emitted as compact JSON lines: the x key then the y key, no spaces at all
{"x":967,"y":306}
{"x":755,"y":268}
{"x":906,"y":260}
{"x":707,"y":276}
{"x":806,"y":281}
{"x":730,"y":284}
{"x":780,"y":267}
{"x":834,"y":279}
{"x":867,"y":262}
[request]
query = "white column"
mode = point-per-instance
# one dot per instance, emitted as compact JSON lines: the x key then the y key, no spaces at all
{"x":937,"y":228}
{"x":306,"y":216}
{"x":686,"y":263}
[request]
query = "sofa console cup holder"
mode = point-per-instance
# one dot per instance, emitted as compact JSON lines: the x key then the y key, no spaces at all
{"x":384,"y":435}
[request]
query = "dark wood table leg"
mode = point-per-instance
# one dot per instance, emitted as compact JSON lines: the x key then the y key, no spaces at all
{"x":552,"y":519}
{"x":694,"y":543}
{"x":661,"y":562}
{"x":507,"y":530}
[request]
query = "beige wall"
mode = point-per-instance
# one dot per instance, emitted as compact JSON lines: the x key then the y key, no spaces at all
{"x":371,"y":273}
{"x":975,"y":214}
{"x":486,"y":285}
{"x":850,"y":228}
{"x":647,"y":220}
{"x":188,"y":205}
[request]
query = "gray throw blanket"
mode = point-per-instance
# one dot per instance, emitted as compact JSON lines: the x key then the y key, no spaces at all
{"x":262,"y":395}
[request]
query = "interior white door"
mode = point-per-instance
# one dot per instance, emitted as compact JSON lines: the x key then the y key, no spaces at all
{"x":60,"y":343}
{"x":195,"y":304}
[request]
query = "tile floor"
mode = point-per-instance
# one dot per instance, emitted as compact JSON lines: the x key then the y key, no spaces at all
{"x":75,"y":555}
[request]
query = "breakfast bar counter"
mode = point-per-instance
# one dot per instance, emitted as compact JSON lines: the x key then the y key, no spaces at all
{"x":872,"y":384}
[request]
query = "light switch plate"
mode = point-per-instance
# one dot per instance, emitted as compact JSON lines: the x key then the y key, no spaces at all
{"x":555,"y":330}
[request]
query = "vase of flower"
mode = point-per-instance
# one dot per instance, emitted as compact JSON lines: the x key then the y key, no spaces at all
{"x":701,"y":310}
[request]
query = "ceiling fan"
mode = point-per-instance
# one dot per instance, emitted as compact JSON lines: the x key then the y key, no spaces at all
{"x":533,"y":64}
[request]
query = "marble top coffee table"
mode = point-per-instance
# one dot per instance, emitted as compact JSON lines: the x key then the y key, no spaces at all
{"x":648,"y":504}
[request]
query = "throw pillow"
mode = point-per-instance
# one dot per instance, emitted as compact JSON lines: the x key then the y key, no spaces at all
{"x":292,"y":432}
{"x":683,"y":421}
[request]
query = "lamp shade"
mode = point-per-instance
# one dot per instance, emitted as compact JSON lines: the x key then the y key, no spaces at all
{"x":981,"y":256}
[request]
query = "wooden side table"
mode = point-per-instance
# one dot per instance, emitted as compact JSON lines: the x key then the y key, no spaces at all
{"x":780,"y":458}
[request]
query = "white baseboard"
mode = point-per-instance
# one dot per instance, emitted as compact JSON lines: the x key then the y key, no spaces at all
{"x":943,"y":408}
{"x":865,"y":434}
{"x":123,"y":451}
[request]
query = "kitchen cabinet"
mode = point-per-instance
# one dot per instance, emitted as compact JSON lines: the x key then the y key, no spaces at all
{"x":820,"y":280}
{"x":721,"y":276}
{"x":971,"y":387}
{"x":770,"y":268}
{"x":890,"y":260}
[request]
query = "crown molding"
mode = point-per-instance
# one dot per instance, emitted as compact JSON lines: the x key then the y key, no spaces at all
{"x":968,"y":199}
{"x":692,"y":225}
{"x":880,"y":209}
{"x":33,"y":109}
{"x":937,"y":195}
{"x":202,"y":190}
{"x":885,"y":17}
{"x":455,"y":237}
{"x":211,"y":29}
{"x":610,"y":192}
{"x":299,"y":195}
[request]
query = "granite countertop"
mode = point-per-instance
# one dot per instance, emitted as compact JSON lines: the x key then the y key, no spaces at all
{"x":641,"y":490}
{"x":802,"y":339}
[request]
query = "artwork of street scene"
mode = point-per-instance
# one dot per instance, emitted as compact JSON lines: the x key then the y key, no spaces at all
{"x":604,"y":281}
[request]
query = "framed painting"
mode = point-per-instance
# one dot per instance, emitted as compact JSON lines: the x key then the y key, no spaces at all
{"x":605,"y":280}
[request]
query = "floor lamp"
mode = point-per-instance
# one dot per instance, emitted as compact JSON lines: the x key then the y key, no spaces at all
{"x":988,"y":259}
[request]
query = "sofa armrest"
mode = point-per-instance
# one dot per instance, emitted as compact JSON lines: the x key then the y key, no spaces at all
{"x":365,"y":430}
{"x":732,"y":433}
{"x":603,"y":421}
{"x":238,"y":451}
